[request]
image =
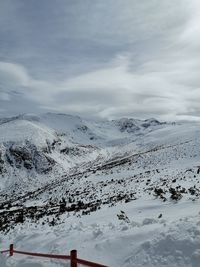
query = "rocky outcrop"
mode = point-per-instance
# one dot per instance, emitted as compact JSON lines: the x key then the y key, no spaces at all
{"x":150,"y":122}
{"x":2,"y":169}
{"x":30,"y":157}
{"x":133,"y":125}
{"x":128,"y":125}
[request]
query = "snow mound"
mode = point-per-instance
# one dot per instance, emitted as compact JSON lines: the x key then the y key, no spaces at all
{"x":178,"y":246}
{"x":3,"y":261}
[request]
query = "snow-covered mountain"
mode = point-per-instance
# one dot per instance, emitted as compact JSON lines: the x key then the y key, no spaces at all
{"x":40,"y":148}
{"x":123,"y":189}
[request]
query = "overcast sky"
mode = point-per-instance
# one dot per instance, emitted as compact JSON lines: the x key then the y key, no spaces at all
{"x":102,"y":58}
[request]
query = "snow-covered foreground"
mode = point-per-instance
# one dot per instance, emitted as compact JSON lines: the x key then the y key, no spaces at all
{"x":123,"y":193}
{"x":142,"y":240}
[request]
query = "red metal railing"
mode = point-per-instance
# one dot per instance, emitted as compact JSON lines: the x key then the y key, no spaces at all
{"x":74,"y":260}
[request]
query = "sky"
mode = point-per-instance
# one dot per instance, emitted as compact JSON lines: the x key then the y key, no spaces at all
{"x":101,"y":58}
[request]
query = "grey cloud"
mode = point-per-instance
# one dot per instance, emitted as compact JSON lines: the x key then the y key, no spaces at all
{"x":108,"y":58}
{"x":63,"y":32}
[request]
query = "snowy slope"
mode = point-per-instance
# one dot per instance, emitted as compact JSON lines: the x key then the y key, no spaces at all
{"x":125,"y":192}
{"x":102,"y":132}
{"x":61,"y":142}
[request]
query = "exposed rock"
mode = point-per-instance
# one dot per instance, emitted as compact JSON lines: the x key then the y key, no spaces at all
{"x":150,"y":122}
{"x":83,"y":128}
{"x":127,"y":125}
{"x":43,"y":163}
{"x":21,"y":154}
{"x":175,"y":194}
{"x":29,"y":157}
{"x":1,"y":163}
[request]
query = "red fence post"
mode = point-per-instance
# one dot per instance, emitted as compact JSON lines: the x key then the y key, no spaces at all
{"x":11,"y":250}
{"x":73,"y":255}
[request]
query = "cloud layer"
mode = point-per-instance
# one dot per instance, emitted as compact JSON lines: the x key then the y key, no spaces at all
{"x":109,"y":58}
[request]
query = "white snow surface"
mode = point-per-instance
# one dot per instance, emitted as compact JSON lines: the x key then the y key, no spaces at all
{"x":21,"y":130}
{"x":116,"y":158}
{"x":173,"y":240}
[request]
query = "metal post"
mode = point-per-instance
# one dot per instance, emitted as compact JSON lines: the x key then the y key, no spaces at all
{"x":11,"y":249}
{"x":73,"y":255}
